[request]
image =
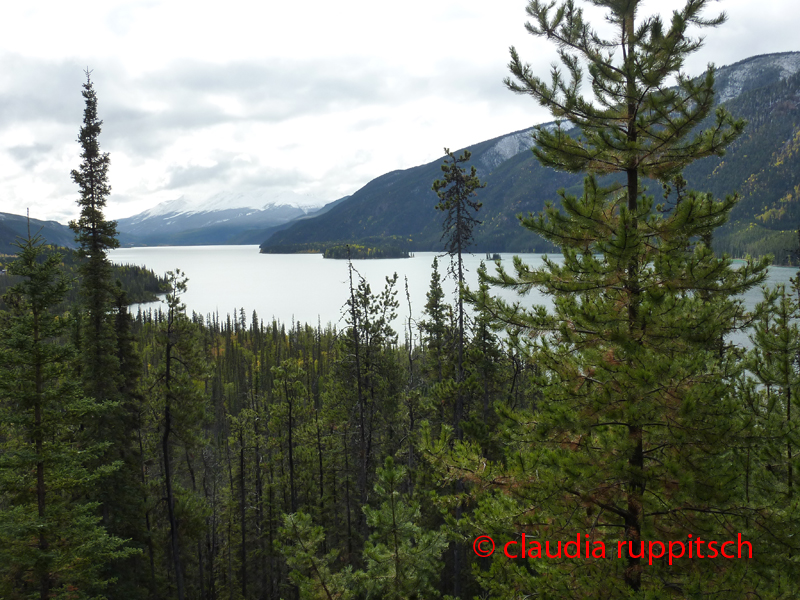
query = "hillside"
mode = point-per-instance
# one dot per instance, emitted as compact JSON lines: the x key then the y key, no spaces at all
{"x":13,"y":227}
{"x":761,"y":166}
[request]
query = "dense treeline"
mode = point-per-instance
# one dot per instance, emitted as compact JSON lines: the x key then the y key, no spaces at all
{"x":279,"y":461}
{"x":170,"y":455}
{"x":280,"y":437}
{"x":139,"y":284}
{"x":369,"y":247}
{"x":357,"y":251}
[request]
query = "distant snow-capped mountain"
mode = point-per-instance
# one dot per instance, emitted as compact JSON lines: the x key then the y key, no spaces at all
{"x":218,"y":219}
{"x":258,"y":200}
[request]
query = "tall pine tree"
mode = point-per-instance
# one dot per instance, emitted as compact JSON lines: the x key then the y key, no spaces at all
{"x":457,"y":193}
{"x":632,"y":439}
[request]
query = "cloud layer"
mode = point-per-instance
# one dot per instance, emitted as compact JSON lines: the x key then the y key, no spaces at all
{"x":318,"y":98}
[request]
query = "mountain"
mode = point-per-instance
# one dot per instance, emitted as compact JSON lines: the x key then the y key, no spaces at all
{"x":256,"y":236}
{"x":13,"y":227}
{"x":220,"y":219}
{"x":762,"y":166}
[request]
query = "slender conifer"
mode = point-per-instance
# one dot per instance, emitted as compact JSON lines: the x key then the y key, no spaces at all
{"x":639,"y":406}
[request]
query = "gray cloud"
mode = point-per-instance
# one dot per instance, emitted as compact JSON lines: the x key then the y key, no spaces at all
{"x":270,"y":177}
{"x":30,"y":156}
{"x":275,"y":90}
{"x":269,"y":92}
{"x":182,"y":177}
{"x":39,"y":90}
{"x":230,"y":172}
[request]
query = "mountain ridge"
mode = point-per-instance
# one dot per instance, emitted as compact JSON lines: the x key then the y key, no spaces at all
{"x":401,"y":203}
{"x":217,"y":219}
{"x":14,"y":228}
{"x":762,"y":167}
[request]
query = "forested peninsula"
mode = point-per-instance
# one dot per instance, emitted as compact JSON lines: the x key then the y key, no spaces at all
{"x":617,"y":444}
{"x":366,"y":248}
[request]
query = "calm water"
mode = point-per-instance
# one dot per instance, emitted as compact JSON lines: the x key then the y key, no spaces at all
{"x":299,"y":287}
{"x":306,"y":287}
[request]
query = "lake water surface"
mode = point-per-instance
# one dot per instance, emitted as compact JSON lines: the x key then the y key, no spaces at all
{"x":300,"y":287}
{"x":308,"y":288}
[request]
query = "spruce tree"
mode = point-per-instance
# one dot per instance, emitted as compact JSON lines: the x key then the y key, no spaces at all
{"x":437,"y":328}
{"x":107,"y":365}
{"x":775,"y":363}
{"x":95,"y":237}
{"x":633,"y":437}
{"x":51,"y":545}
{"x":369,"y":370}
{"x":402,"y":560}
{"x":456,"y":192}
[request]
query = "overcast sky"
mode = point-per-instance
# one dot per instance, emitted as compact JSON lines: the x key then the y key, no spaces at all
{"x":317,"y":97}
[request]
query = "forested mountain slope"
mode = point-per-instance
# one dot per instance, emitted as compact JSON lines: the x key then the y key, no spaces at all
{"x":15,"y":227}
{"x":761,"y":166}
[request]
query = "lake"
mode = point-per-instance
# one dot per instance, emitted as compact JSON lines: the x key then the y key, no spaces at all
{"x":308,"y":288}
{"x":289,"y":287}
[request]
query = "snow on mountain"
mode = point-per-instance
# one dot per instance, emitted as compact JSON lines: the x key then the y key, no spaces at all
{"x":254,"y":200}
{"x":259,"y":200}
{"x":731,"y":80}
{"x":510,"y":145}
{"x":753,"y":72}
{"x":505,"y":148}
{"x":216,"y":219}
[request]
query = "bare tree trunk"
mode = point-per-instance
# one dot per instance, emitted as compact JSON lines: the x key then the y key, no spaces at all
{"x":242,"y":505}
{"x":153,"y":593}
{"x":173,"y":521}
{"x":636,"y":485}
{"x":321,"y":479}
{"x":347,"y":499}
{"x":165,"y":446}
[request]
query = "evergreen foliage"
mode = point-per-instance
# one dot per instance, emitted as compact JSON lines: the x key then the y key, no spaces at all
{"x":356,"y":247}
{"x":138,"y":283}
{"x":456,"y":192}
{"x":437,"y":329}
{"x":402,"y":559}
{"x":639,"y":400}
{"x":356,"y":251}
{"x":176,"y":395}
{"x":101,"y":356}
{"x":312,"y":571}
{"x":95,"y":236}
{"x":761,"y":166}
{"x":50,"y":544}
{"x":370,"y":371}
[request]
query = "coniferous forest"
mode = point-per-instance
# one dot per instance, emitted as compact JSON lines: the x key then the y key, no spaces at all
{"x":617,"y":445}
